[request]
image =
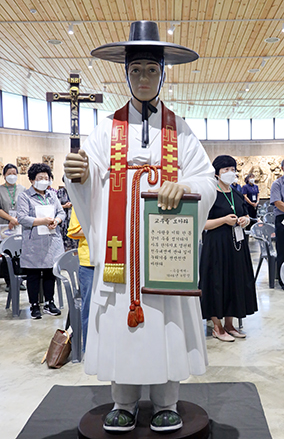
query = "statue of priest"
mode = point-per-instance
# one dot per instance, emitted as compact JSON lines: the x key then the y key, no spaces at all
{"x":162,"y":341}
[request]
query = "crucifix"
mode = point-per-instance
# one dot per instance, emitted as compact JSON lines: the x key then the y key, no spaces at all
{"x":75,"y":98}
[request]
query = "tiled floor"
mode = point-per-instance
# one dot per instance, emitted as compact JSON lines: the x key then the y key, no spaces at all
{"x":24,"y":381}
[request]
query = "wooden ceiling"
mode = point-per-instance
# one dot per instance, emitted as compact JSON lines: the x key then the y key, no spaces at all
{"x":229,"y":36}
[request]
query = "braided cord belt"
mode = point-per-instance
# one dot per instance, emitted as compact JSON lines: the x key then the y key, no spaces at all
{"x":136,"y":315}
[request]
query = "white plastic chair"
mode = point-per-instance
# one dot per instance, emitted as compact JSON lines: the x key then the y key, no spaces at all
{"x":264,"y":234}
{"x":69,"y":262}
{"x":9,"y":248}
{"x":269,"y":218}
{"x":282,"y":273}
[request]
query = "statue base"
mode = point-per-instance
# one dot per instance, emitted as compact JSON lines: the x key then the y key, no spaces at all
{"x":195,"y":423}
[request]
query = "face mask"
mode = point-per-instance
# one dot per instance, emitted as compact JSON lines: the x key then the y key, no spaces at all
{"x":228,"y":178}
{"x":11,"y":179}
{"x":236,"y":180}
{"x":251,"y":180}
{"x":41,"y":185}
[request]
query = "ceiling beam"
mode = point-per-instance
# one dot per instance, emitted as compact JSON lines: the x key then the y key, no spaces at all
{"x":221,"y":20}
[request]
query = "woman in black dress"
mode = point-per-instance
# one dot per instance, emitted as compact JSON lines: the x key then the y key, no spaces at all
{"x":226,"y":274}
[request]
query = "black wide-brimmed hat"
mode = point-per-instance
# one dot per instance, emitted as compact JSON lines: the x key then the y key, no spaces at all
{"x":145,"y":35}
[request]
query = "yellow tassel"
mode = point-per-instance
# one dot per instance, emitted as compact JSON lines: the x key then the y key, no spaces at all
{"x":115,"y":273}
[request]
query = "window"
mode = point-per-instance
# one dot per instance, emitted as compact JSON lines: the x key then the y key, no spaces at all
{"x":262,"y":129}
{"x":61,"y":117}
{"x":37,"y":111}
{"x":198,"y":127}
{"x":86,"y":118}
{"x":217,"y":129}
{"x":279,"y":128}
{"x":13,"y":112}
{"x":239,"y":129}
{"x":103,"y":114}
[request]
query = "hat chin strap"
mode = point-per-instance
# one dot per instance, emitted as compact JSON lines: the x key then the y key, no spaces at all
{"x":146,"y":105}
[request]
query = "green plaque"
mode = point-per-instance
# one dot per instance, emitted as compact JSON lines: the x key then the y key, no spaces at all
{"x":171,"y":247}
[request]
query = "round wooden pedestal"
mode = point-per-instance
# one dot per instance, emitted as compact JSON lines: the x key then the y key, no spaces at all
{"x":195,"y":423}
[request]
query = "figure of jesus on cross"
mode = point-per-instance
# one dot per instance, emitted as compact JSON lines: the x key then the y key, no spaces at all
{"x":75,"y":98}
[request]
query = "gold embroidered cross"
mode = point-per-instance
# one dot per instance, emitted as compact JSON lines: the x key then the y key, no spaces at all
{"x":170,"y":148}
{"x":114,"y":244}
{"x":169,"y":168}
{"x":117,"y":166}
{"x":118,"y":156}
{"x":170,"y":158}
{"x":118,"y":146}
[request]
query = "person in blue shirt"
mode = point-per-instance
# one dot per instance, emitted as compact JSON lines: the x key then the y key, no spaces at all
{"x":277,"y":200}
{"x":251,"y":195}
{"x":235,"y":185}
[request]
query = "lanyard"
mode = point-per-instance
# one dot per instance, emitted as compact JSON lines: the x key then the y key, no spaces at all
{"x":43,"y":201}
{"x":11,"y":197}
{"x":232,"y":203}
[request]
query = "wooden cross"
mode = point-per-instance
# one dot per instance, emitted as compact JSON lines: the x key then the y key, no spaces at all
{"x":75,"y":98}
{"x":114,"y":244}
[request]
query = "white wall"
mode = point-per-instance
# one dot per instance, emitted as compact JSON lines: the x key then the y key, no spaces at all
{"x":243,"y":147}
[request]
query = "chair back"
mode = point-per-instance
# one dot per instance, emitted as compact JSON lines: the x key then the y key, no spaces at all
{"x":270,"y":208}
{"x":12,"y":245}
{"x":282,"y":273}
{"x":261,"y":210}
{"x":269,"y":218}
{"x":69,"y":262}
{"x":264,"y":233}
{"x":11,"y":248}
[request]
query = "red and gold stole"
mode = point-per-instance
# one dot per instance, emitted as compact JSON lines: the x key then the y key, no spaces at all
{"x":115,"y":261}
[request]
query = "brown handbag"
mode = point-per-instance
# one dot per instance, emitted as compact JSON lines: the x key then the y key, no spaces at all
{"x":59,"y":349}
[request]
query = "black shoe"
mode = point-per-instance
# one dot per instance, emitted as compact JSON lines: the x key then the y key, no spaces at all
{"x":166,"y":420}
{"x":50,"y":308}
{"x":120,"y":420}
{"x":35,"y":311}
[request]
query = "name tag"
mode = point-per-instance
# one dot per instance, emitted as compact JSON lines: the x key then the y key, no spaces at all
{"x":254,"y":198}
{"x":239,"y":234}
{"x":13,"y":213}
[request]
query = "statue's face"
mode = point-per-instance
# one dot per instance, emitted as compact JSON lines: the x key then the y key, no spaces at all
{"x":144,"y":76}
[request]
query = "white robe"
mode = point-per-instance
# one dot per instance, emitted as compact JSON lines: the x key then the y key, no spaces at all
{"x":170,"y":344}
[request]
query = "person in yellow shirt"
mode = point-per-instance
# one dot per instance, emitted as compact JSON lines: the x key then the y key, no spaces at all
{"x":86,"y":271}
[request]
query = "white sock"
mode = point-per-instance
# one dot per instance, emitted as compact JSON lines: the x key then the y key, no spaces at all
{"x":128,"y":407}
{"x":157,"y":408}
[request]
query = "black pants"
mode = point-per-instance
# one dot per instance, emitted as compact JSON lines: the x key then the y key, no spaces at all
{"x":252,"y":211}
{"x":279,"y":231}
{"x":5,"y":272}
{"x":33,"y":283}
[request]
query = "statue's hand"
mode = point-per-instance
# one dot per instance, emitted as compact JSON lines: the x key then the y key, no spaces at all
{"x":169,"y":194}
{"x":77,"y":166}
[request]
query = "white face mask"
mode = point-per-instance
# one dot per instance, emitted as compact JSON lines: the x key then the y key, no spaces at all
{"x":236,"y":179}
{"x":11,"y":178}
{"x":41,"y":185}
{"x":228,"y":178}
{"x":251,"y":180}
